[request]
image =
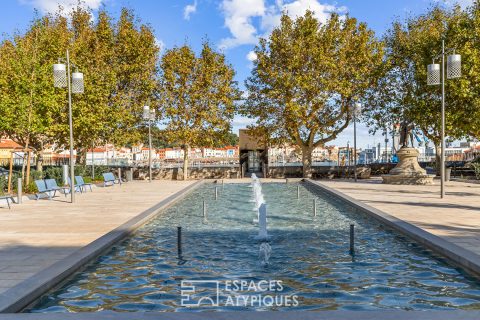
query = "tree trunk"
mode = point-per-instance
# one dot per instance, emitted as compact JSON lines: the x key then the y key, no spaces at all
{"x":438,"y":165}
{"x":25,"y":161}
{"x":39,"y":164}
{"x":186,"y":150}
{"x":307,"y":161}
{"x":82,"y":156}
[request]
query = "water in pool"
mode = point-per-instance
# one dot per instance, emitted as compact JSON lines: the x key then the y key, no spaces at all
{"x":306,"y":261}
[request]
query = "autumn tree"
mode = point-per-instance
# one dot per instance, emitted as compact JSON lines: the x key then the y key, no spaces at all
{"x":306,"y":78}
{"x":119,"y":60}
{"x":467,"y":88}
{"x":29,"y":103}
{"x":402,"y":93}
{"x":120,"y":65}
{"x":198,"y":95}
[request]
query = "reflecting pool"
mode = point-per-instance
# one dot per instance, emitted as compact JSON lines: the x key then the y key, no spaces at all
{"x":308,"y":256}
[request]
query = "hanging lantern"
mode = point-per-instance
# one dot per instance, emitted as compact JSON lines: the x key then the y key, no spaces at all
{"x":59,"y":75}
{"x":146,"y":113}
{"x":77,"y":82}
{"x":433,"y":74}
{"x":454,"y":66}
{"x":358,"y":108}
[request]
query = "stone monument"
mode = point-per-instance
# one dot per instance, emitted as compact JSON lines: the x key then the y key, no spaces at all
{"x":407,"y":171}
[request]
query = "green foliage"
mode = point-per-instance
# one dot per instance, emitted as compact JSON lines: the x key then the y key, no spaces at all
{"x":3,"y":184}
{"x":119,"y":62}
{"x":402,"y":93}
{"x":35,"y":175}
{"x":198,"y":97}
{"x":230,"y":140}
{"x":86,"y":172}
{"x":476,"y":168}
{"x":54,"y":173}
{"x":28,"y":101}
{"x":306,"y":78}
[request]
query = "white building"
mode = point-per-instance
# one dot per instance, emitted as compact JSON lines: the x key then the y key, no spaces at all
{"x":175,"y":153}
{"x":101,"y":155}
{"x":320,"y":154}
{"x":146,"y":154}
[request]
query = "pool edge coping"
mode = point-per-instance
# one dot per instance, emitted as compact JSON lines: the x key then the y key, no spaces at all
{"x":255,"y":315}
{"x":468,"y":260}
{"x":23,"y":294}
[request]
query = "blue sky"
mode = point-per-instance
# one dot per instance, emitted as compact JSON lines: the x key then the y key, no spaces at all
{"x":232,"y":25}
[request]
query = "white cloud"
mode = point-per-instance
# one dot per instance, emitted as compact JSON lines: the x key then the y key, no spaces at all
{"x":321,"y":11}
{"x":296,"y":9}
{"x":251,"y":56}
{"x":239,"y":17}
{"x":46,"y":6}
{"x":462,"y":3}
{"x":242,"y":122}
{"x":160,"y":44}
{"x":189,"y":10}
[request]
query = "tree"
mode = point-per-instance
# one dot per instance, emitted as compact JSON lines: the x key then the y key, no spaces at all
{"x":307,"y":76}
{"x":119,"y":62}
{"x":467,"y":88}
{"x":30,"y":106}
{"x":402,"y":93}
{"x":198,"y":97}
{"x":231,"y":140}
{"x":120,"y":65}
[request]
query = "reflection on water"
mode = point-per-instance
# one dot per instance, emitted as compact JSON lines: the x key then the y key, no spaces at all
{"x":309,"y":254}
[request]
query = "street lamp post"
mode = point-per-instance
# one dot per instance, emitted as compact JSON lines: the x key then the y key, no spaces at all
{"x":348,"y":159}
{"x":386,"y":145}
{"x":149,"y":116}
{"x":454,"y":70}
{"x":74,"y":82}
{"x":357,"y":108}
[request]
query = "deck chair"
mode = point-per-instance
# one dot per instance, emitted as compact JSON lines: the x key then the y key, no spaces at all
{"x":81,"y":183}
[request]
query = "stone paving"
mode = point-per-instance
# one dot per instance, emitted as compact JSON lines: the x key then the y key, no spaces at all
{"x":456,"y":218}
{"x":36,"y":234}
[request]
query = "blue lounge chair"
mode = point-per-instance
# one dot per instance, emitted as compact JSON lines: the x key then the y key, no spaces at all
{"x":52,"y":185}
{"x":8,"y":198}
{"x":42,"y":189}
{"x":81,"y":183}
{"x":78,"y":188}
{"x":109,"y":179}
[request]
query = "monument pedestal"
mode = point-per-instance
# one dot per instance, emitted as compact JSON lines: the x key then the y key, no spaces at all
{"x":408,"y":171}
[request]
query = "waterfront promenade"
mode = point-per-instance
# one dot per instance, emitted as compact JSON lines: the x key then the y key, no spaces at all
{"x":36,"y":234}
{"x":456,"y":218}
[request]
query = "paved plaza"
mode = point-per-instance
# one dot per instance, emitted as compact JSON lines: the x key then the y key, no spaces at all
{"x":36,"y":234}
{"x":456,"y":218}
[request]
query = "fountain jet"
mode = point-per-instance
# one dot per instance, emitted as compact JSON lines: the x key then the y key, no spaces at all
{"x":264,"y":253}
{"x":262,"y":223}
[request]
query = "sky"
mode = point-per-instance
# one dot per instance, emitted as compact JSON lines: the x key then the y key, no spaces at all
{"x":233,"y":26}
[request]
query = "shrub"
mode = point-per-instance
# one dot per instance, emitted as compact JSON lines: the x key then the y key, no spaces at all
{"x":54,"y":173}
{"x":3,"y":184}
{"x":99,"y":170}
{"x":476,"y":168}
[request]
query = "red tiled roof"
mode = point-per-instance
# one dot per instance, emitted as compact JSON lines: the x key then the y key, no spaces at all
{"x":9,"y":144}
